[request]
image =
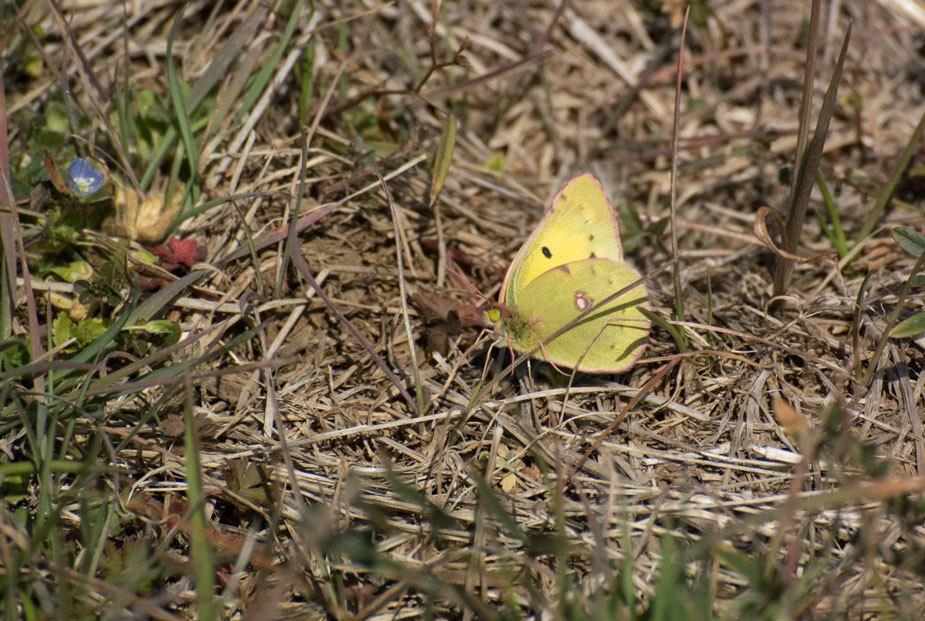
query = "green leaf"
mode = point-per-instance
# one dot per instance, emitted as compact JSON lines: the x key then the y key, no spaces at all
{"x":629,"y":217}
{"x":494,"y":162}
{"x":444,"y":156}
{"x":659,"y":227}
{"x":151,"y":109}
{"x":63,"y":234}
{"x":13,"y":488}
{"x":909,"y":327}
{"x":15,"y":355}
{"x":909,"y":240}
{"x":631,"y":241}
{"x":918,"y":280}
{"x":170,"y":330}
{"x":73,"y":271}
{"x":381,"y":148}
{"x":89,"y":330}
{"x":252,"y":481}
{"x":62,"y":329}
{"x":144,"y":256}
{"x":33,"y":66}
{"x":56,"y":118}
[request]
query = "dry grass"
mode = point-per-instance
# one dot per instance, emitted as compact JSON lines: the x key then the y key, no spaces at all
{"x":700,"y":455}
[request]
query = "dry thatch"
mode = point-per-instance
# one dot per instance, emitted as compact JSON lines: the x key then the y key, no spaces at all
{"x":551,"y":91}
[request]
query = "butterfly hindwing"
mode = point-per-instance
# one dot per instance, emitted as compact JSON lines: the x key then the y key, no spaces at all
{"x":613,"y":335}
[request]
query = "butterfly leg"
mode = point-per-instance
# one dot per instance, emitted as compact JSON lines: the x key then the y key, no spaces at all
{"x":510,"y":348}
{"x":549,"y":360}
{"x":491,"y":346}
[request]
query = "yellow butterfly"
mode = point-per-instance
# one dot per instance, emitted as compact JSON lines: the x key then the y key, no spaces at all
{"x":572,"y":261}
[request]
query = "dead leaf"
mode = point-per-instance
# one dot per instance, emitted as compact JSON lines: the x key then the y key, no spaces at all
{"x":794,"y":424}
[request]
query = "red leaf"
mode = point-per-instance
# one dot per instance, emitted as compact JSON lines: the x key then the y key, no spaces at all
{"x":178,"y":253}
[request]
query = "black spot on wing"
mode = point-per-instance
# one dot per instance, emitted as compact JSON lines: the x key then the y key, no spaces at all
{"x":547,"y":252}
{"x":593,"y":255}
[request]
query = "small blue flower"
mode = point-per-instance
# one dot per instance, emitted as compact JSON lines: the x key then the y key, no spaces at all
{"x":82,"y":178}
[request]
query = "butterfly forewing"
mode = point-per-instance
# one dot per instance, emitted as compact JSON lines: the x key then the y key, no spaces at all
{"x":580,"y":224}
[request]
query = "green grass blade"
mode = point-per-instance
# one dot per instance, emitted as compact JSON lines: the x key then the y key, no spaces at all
{"x":832,"y":228}
{"x":217,"y":71}
{"x":443,"y":157}
{"x":676,"y":334}
{"x":266,"y":72}
{"x":200,"y":547}
{"x":179,"y":106}
{"x":307,"y":73}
